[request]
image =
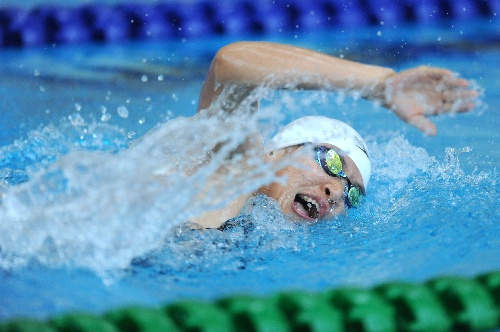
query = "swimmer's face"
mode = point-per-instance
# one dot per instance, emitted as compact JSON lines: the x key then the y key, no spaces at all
{"x":309,"y":193}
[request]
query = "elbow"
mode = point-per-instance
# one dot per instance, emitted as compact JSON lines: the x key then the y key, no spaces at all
{"x":227,"y":63}
{"x":233,"y":50}
{"x":220,"y":63}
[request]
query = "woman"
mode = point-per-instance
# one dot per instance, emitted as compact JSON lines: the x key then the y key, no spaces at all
{"x":326,"y":165}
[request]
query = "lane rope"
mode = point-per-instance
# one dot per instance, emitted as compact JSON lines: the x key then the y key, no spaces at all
{"x":93,"y":22}
{"x":447,"y":303}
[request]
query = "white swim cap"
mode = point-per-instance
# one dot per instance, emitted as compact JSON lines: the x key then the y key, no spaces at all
{"x":320,"y":129}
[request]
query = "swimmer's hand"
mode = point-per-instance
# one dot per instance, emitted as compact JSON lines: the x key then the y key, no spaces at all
{"x":417,"y":93}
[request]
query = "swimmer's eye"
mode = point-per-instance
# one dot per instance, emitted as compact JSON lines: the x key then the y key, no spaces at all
{"x":331,"y":163}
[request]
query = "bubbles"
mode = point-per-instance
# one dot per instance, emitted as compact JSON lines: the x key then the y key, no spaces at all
{"x":479,"y":103}
{"x":105,"y":117}
{"x":122,"y":111}
{"x":10,"y":178}
{"x":398,"y":160}
{"x":123,"y":208}
{"x":451,"y":167}
{"x":76,"y":119}
{"x":99,"y":210}
{"x":411,"y":186}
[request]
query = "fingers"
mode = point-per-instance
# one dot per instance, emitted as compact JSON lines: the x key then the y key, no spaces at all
{"x":412,"y":112}
{"x":457,"y":106}
{"x":453,"y":101}
{"x":420,"y":92}
{"x":463,"y":107}
{"x":442,"y":99}
{"x":460,"y":94}
{"x":423,"y":124}
{"x":444,"y":79}
{"x":455,"y":82}
{"x":430,"y":80}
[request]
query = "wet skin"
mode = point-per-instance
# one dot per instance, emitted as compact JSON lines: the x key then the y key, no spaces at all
{"x":309,"y":193}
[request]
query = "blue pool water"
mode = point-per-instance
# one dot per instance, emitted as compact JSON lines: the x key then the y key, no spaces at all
{"x":86,"y":224}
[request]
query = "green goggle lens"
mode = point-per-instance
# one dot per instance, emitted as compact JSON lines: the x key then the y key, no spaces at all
{"x":353,"y":196}
{"x":331,"y":163}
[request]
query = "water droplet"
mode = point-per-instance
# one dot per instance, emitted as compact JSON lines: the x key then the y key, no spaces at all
{"x":105,"y":117}
{"x":76,"y":119}
{"x":122,"y":111}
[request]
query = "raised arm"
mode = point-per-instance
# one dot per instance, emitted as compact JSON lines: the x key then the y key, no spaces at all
{"x":412,"y":94}
{"x":282,"y":66}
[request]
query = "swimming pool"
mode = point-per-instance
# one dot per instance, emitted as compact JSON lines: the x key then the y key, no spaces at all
{"x":85,"y":226}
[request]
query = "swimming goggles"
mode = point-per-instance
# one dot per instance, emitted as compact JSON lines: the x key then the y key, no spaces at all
{"x":331,"y":163}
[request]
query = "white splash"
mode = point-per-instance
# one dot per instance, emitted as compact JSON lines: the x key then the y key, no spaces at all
{"x":98,"y":210}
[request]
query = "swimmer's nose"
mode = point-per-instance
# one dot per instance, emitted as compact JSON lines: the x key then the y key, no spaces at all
{"x":333,"y":191}
{"x":334,"y":195}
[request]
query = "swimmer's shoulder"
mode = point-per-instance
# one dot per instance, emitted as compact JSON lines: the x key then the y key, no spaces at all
{"x":215,"y":218}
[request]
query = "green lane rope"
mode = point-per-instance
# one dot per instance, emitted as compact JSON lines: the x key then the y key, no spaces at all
{"x":441,"y":304}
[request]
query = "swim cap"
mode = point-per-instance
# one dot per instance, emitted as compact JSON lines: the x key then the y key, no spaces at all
{"x":321,"y":129}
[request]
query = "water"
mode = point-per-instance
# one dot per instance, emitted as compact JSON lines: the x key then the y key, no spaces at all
{"x":91,"y":219}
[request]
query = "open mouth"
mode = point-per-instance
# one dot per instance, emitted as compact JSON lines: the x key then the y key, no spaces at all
{"x":307,"y":207}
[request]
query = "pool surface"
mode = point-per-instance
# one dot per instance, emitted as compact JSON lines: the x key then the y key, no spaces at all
{"x":87,"y":226}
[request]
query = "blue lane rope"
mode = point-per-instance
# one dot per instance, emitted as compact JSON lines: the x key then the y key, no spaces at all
{"x":45,"y":25}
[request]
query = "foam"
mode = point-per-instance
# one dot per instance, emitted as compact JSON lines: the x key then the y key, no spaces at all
{"x":113,"y":207}
{"x":100,"y":209}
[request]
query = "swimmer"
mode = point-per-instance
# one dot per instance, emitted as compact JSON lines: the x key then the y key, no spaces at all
{"x":328,"y":167}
